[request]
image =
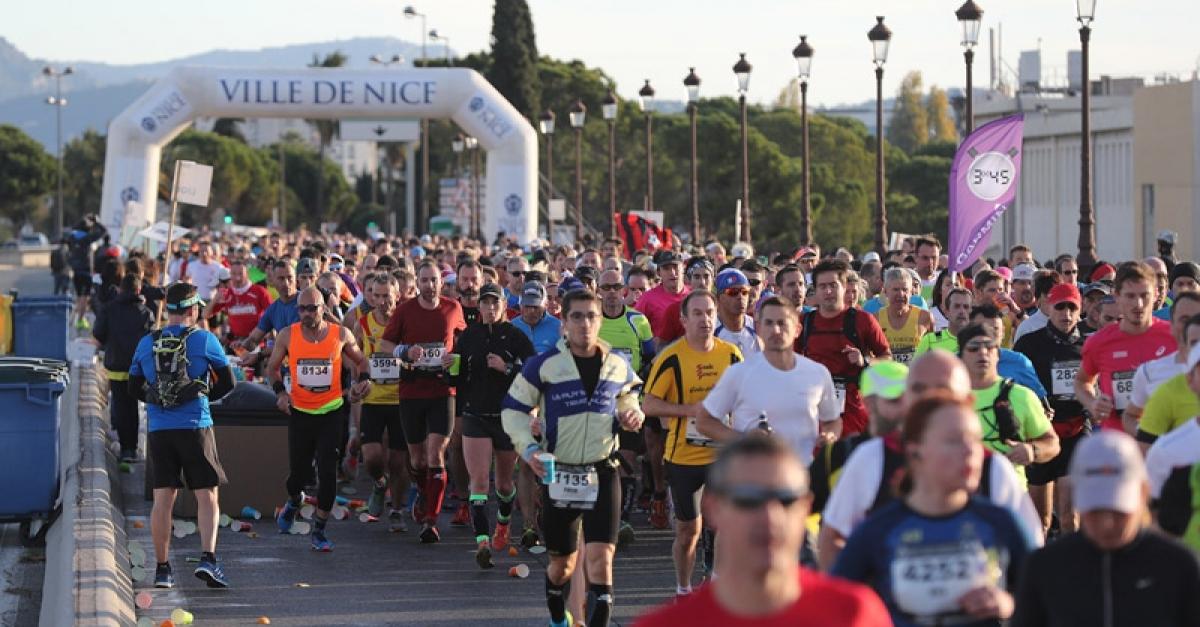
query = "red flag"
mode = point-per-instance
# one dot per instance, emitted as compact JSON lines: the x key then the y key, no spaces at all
{"x":637,"y":233}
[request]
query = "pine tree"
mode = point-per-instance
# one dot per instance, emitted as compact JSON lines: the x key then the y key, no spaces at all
{"x":909,"y":127}
{"x":937,"y":108}
{"x":514,"y":68}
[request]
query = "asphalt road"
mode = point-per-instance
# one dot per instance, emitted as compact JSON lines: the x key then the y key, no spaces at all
{"x":374,"y":577}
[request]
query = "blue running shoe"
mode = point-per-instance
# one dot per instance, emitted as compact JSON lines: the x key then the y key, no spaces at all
{"x":163,"y":577}
{"x":286,"y":517}
{"x":210,"y":572}
{"x":320,"y":542}
{"x":567,"y":622}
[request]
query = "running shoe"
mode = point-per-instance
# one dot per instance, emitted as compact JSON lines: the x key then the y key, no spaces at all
{"x":500,"y":538}
{"x":625,"y":535}
{"x":483,"y":555}
{"x":396,"y":522}
{"x":430,"y":534}
{"x":375,"y":502}
{"x":529,"y":537}
{"x":83,"y":324}
{"x":569,"y":621}
{"x":163,"y":577}
{"x":462,"y":517}
{"x":286,"y":516}
{"x":211,"y":573}
{"x":658,"y":514}
{"x":129,"y":455}
{"x":320,"y":542}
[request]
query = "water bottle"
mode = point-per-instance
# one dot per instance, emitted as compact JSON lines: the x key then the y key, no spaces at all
{"x":763,"y":425}
{"x":250,"y":512}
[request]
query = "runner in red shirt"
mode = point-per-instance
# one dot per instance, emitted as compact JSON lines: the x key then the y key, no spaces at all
{"x":660,"y":305}
{"x":1113,"y":353}
{"x":244,"y":301}
{"x":840,"y":344}
{"x":757,"y":499}
{"x":422,"y":332}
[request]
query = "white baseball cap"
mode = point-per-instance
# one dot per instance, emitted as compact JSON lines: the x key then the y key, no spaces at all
{"x":1107,"y":472}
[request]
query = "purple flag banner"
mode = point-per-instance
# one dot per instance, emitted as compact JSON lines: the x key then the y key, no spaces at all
{"x":983,"y":183}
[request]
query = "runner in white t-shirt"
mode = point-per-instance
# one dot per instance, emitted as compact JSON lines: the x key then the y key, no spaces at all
{"x":795,"y":394}
{"x":1155,"y":372}
{"x":205,"y":273}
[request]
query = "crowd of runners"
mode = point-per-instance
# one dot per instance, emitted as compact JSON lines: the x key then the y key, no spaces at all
{"x":834,"y":439}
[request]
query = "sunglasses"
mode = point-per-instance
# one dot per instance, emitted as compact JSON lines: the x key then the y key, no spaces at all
{"x":755,"y":282}
{"x":1066,"y":305}
{"x":737,"y":291}
{"x":519,"y":273}
{"x":748,"y":497}
{"x":308,"y":308}
{"x":975,"y":347}
{"x":611,"y":287}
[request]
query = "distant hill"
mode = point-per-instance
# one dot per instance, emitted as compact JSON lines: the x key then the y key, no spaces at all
{"x":97,"y":92}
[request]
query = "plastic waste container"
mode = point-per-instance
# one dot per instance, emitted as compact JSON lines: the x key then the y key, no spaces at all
{"x":31,"y":395}
{"x":41,"y":326}
{"x":251,"y":436}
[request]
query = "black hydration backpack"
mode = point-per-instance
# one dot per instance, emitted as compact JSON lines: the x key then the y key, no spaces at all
{"x":174,"y":386}
{"x":1006,"y":422}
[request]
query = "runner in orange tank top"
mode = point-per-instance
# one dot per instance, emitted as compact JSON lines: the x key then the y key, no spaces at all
{"x":314,"y":349}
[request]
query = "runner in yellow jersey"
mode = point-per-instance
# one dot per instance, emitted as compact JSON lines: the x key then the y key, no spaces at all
{"x":902,"y":324}
{"x":381,"y":407}
{"x":681,"y":377}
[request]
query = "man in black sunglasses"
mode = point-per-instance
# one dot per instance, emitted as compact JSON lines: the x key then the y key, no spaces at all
{"x":758,"y":500}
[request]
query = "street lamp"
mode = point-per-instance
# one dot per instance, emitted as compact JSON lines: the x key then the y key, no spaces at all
{"x":578,"y":117}
{"x":608,"y":107}
{"x":1086,"y":12}
{"x":410,"y":12}
{"x":436,"y":36}
{"x":881,"y":38}
{"x":546,"y":126}
{"x":741,"y":69}
{"x":644,"y":96}
{"x":804,"y":54}
{"x":969,"y":15}
{"x":58,"y":102}
{"x":692,"y":83}
{"x":457,"y":144}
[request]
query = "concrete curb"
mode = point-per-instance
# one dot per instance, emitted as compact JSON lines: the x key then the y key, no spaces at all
{"x":87,"y":569}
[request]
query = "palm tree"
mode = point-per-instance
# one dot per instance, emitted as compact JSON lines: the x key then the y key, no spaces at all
{"x":326,"y":129}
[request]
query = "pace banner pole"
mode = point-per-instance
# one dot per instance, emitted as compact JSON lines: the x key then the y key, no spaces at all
{"x":983,"y":184}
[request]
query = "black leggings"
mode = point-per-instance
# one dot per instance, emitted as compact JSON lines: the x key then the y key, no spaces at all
{"x":309,"y":435}
{"x":124,"y":414}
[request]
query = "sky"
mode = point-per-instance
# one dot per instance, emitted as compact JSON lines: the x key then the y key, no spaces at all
{"x":634,"y":40}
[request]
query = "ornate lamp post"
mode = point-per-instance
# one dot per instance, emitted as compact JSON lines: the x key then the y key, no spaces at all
{"x":1087,"y":221}
{"x":741,"y":69}
{"x":692,"y":83}
{"x":578,"y":117}
{"x":804,"y":54}
{"x":609,"y":108}
{"x":969,"y":15}
{"x":881,"y":38}
{"x":644,"y":96}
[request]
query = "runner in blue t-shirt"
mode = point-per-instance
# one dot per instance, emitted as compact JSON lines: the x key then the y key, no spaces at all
{"x":940,"y":555}
{"x":176,"y":371}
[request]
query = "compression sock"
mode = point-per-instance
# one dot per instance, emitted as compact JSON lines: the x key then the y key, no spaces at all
{"x":479,"y":516}
{"x":556,"y":600}
{"x":628,"y":487}
{"x":435,"y":493}
{"x":602,"y":610}
{"x":208,"y":555}
{"x":504,"y":512}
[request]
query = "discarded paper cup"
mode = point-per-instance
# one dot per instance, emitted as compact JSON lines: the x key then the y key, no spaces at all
{"x":339,"y":512}
{"x":367,"y":518}
{"x":138,"y":574}
{"x":145,"y":621}
{"x":144,"y":600}
{"x":512,"y":551}
{"x":181,"y":616}
{"x":225,"y":520}
{"x":300,"y":528}
{"x":306,"y":512}
{"x":240,"y":525}
{"x":520,"y":571}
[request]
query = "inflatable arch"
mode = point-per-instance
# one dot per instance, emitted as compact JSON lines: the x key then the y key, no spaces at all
{"x":137,"y":135}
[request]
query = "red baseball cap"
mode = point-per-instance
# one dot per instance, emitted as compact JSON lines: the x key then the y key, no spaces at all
{"x":1064,"y":293}
{"x":1102,"y":270}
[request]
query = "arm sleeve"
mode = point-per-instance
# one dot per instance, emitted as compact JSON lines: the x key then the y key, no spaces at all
{"x":137,"y":387}
{"x":224,"y":383}
{"x":524,"y":394}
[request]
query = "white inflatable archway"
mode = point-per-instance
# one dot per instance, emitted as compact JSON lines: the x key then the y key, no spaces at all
{"x":137,"y":135}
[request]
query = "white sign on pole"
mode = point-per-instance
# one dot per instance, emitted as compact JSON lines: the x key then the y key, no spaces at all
{"x":157,"y":232}
{"x":558,"y":209}
{"x":193,"y":183}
